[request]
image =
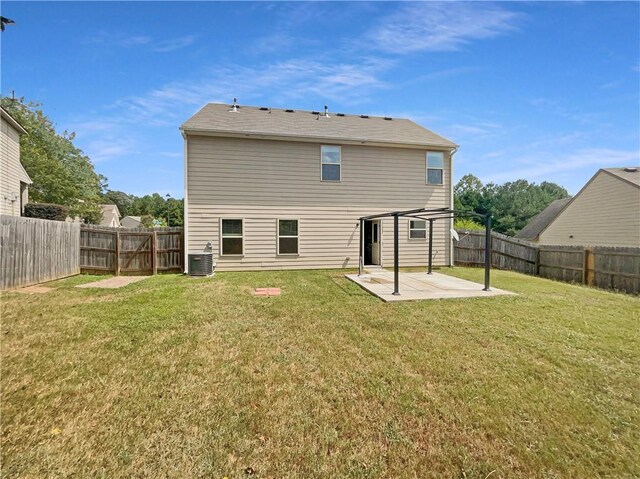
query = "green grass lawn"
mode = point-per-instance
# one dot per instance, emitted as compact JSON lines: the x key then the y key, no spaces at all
{"x":180,"y":377}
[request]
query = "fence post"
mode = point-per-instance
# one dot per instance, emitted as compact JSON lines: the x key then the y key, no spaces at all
{"x":396,"y":261}
{"x":588,"y":272}
{"x":154,"y":252}
{"x":117,"y":258}
{"x":487,"y":253}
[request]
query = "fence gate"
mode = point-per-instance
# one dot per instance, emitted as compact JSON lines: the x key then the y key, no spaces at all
{"x":131,"y":251}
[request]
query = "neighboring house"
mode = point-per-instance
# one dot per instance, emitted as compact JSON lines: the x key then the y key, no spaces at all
{"x":534,"y":227}
{"x":14,"y":180}
{"x":283,"y":189}
{"x":110,"y":215}
{"x":131,"y":222}
{"x":605,"y":212}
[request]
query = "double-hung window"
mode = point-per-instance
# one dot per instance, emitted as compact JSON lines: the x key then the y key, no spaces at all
{"x":435,"y":167}
{"x":232,"y":232}
{"x":287,"y":237}
{"x":330,"y":163}
{"x":417,"y":229}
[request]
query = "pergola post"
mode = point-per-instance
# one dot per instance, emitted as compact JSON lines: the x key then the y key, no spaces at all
{"x":360,"y":258}
{"x":487,"y":253}
{"x":430,"y":247}
{"x":396,"y":248}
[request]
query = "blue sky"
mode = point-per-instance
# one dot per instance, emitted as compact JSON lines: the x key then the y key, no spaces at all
{"x":541,"y":91}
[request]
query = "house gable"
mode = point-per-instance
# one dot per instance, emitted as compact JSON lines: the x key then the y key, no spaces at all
{"x":605,"y":212}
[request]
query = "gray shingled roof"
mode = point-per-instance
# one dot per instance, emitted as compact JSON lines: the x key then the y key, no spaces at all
{"x":305,"y":125}
{"x":539,"y":222}
{"x":626,"y":173}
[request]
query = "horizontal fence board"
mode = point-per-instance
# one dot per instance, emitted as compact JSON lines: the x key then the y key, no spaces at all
{"x":605,"y":267}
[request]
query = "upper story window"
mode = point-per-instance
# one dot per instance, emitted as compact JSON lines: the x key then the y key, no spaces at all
{"x":435,"y":167}
{"x":417,"y":229}
{"x":330,"y":159}
{"x":232,"y":242}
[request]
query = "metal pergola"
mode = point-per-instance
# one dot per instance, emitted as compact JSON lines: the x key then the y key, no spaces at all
{"x":431,"y":215}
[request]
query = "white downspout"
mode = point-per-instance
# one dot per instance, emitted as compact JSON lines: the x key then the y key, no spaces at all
{"x":451,"y":204}
{"x":185,"y":222}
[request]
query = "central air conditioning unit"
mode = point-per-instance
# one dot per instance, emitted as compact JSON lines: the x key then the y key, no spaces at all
{"x":201,"y":264}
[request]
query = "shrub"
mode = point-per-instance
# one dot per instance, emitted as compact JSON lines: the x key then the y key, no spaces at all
{"x":467,"y":224}
{"x":46,"y":211}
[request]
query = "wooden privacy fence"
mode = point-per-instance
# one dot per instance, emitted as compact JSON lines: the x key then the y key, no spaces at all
{"x":33,"y":251}
{"x":131,"y":251}
{"x":605,"y":267}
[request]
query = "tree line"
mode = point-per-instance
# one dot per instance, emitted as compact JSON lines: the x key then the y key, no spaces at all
{"x":511,"y":204}
{"x":62,"y":174}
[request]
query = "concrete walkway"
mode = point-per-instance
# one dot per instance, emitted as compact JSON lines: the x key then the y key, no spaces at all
{"x":417,"y":286}
{"x":113,"y":283}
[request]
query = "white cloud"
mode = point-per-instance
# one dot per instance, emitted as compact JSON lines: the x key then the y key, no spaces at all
{"x":122,"y":40}
{"x":293,"y":79}
{"x":173,"y":44}
{"x":441,"y":26}
{"x":544,"y":165}
{"x":556,"y":108}
{"x":108,"y":148}
{"x":612,"y":84}
{"x":477,"y":130}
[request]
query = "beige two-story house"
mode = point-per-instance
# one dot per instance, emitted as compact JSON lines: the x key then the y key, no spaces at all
{"x":605,"y":212}
{"x":14,"y":180}
{"x":268,"y":188}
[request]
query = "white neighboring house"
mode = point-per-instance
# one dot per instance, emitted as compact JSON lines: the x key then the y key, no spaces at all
{"x":131,"y":222}
{"x":605,"y":212}
{"x":14,"y":180}
{"x":110,"y":216}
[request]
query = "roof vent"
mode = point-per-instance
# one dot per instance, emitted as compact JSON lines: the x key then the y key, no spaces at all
{"x":364,"y":116}
{"x":388,"y":118}
{"x":234,"y":107}
{"x":289,"y":111}
{"x":630,"y":169}
{"x":340,"y":114}
{"x":264,"y":108}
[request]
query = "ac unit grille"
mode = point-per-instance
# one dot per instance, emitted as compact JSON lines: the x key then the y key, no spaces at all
{"x":201,"y":264}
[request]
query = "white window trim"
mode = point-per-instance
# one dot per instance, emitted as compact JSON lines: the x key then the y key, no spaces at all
{"x":286,"y":236}
{"x":426,"y":172}
{"x":322,"y":163}
{"x":409,"y":230}
{"x":243,"y":235}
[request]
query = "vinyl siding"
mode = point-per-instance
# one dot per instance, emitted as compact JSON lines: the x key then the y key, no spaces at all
{"x":10,"y":169}
{"x":262,"y":180}
{"x":605,"y":213}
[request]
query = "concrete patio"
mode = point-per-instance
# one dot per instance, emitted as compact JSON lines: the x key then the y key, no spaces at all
{"x":417,"y":286}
